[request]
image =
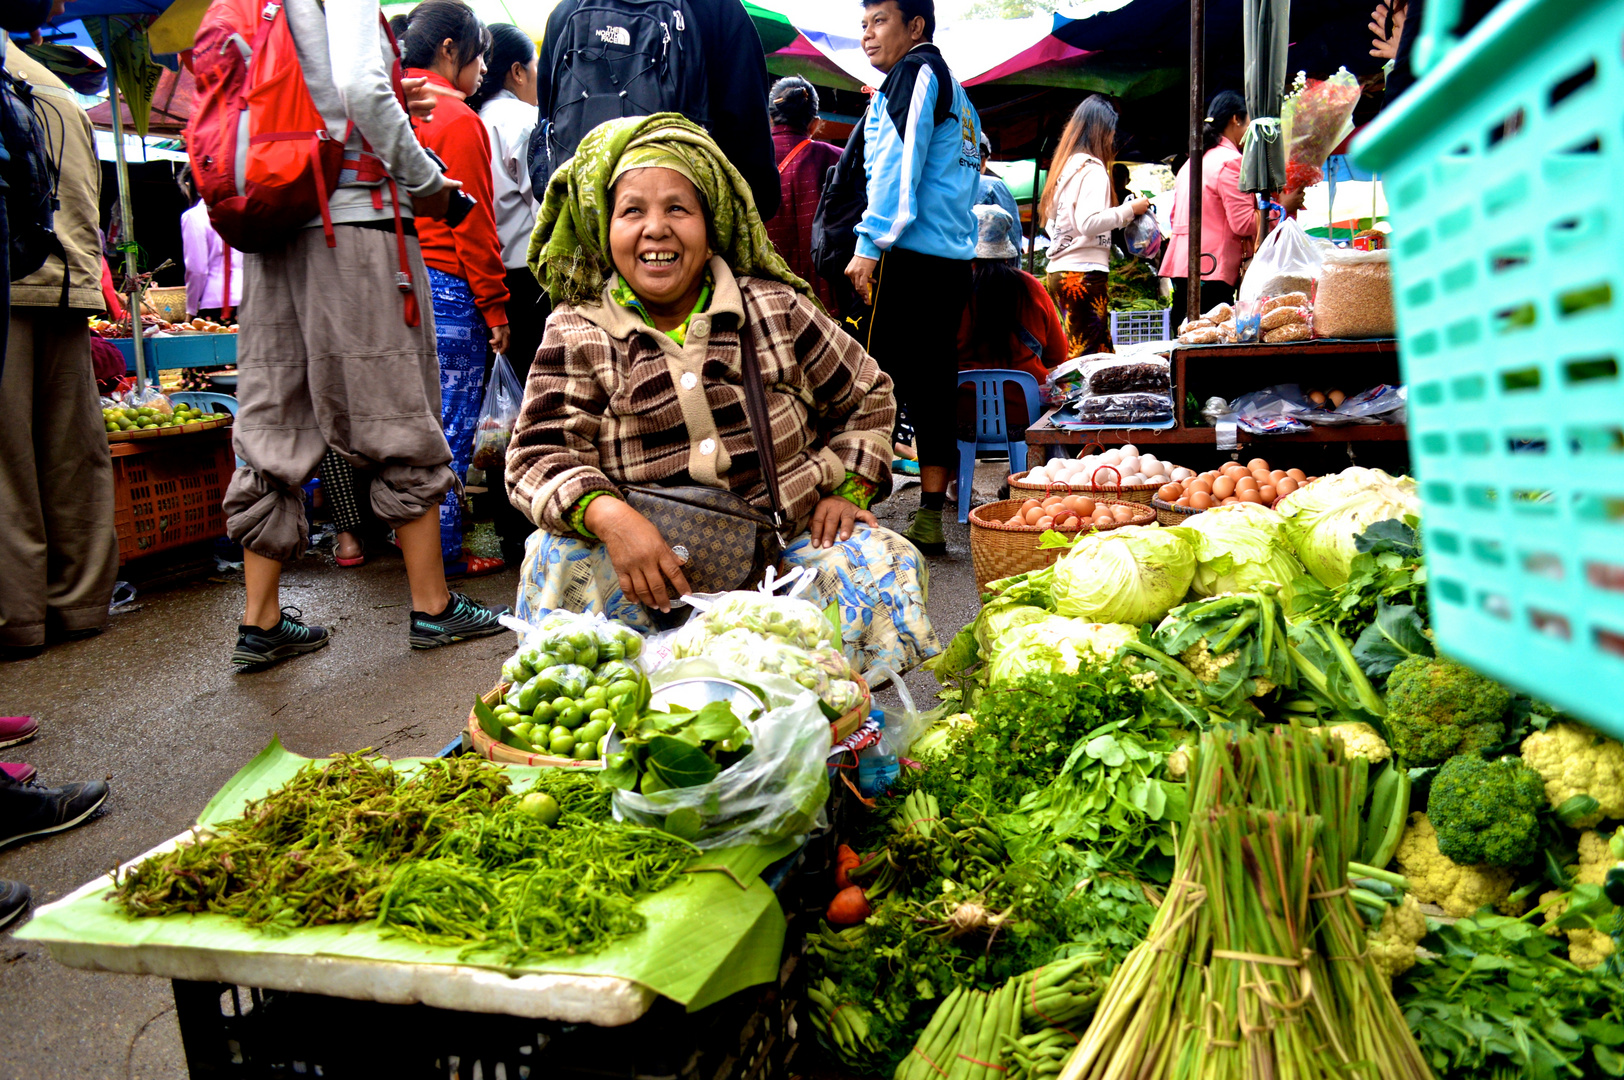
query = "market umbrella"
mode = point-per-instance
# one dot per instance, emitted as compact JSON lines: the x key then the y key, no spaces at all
{"x":171,"y":106}
{"x":1264,"y":32}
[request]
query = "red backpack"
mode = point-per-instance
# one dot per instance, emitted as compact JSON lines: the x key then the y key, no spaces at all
{"x":261,"y":154}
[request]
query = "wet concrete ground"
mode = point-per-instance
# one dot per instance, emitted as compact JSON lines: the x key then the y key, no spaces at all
{"x":153,"y":706}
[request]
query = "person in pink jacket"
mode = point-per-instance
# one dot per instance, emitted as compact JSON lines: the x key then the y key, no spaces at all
{"x":1228,"y":215}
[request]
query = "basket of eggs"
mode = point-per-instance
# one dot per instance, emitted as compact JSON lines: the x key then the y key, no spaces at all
{"x":1254,"y":482}
{"x":1005,"y":535}
{"x":1120,"y":473}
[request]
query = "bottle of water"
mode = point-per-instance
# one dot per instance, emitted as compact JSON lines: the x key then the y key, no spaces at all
{"x":877,"y":764}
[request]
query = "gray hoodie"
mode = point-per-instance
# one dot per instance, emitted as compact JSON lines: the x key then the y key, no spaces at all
{"x":347,"y":60}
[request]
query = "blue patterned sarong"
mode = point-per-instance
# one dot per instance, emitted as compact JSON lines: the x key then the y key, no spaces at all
{"x":460,"y":339}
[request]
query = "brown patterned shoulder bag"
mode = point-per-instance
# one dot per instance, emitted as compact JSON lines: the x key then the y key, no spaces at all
{"x":722,"y":541}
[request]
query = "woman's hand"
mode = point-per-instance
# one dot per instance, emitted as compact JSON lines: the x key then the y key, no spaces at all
{"x":419,"y":98}
{"x":500,"y":338}
{"x":642,"y":558}
{"x":1140,"y":206}
{"x":833,"y":519}
{"x":1384,"y":46}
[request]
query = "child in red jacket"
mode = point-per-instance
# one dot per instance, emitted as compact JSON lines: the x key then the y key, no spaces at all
{"x":444,"y":41}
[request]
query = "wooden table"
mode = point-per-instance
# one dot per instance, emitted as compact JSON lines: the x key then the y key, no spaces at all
{"x":1228,"y":371}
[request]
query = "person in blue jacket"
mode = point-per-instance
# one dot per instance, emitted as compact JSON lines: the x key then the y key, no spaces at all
{"x":917,"y":239}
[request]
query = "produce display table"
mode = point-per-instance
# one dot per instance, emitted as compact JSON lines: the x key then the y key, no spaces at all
{"x":1228,"y":371}
{"x":181,"y":351}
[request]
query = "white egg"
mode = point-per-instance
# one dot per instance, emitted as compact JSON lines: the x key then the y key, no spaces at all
{"x":1157,"y":478}
{"x":1182,"y":473}
{"x":1130,"y":463}
{"x":1039,"y":475}
{"x":1134,"y":480}
{"x":1129,"y":448}
{"x":1111,"y":457}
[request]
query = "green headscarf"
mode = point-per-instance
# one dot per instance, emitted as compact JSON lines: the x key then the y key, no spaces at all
{"x":569,"y":250}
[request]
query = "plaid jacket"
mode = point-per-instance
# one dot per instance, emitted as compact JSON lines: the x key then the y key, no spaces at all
{"x":612,"y":401}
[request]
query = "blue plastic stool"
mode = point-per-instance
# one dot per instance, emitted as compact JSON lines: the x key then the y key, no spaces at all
{"x":205,"y":398}
{"x":991,"y":432}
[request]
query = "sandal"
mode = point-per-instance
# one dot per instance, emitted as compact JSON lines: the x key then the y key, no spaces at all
{"x":475,"y":567}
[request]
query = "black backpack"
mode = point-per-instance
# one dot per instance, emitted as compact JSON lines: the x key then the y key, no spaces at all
{"x":840,"y":209}
{"x":615,"y":58}
{"x":30,"y":178}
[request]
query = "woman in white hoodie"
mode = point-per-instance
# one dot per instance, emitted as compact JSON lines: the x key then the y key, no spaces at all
{"x":1077,"y":206}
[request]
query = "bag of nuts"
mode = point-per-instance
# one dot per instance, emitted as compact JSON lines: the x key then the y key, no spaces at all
{"x":1355,"y":296}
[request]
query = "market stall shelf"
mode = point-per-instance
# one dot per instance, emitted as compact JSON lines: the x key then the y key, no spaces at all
{"x":1229,"y":370}
{"x":193,"y":350}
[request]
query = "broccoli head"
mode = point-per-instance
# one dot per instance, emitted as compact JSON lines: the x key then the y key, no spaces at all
{"x":1487,"y":811}
{"x":1437,"y":708}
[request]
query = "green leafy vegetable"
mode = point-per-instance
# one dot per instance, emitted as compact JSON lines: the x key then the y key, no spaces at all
{"x":1324,"y":518}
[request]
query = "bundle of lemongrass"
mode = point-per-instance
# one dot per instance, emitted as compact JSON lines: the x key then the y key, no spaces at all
{"x":1255,"y":968}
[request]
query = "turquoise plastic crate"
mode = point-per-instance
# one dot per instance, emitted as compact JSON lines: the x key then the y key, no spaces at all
{"x":1504,"y":170}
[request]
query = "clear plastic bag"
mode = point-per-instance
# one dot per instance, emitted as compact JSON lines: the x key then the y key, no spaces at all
{"x":791,"y":619}
{"x":775,"y":792}
{"x":1289,"y":261}
{"x":1125,"y":408}
{"x":1143,"y":236}
{"x":903,"y":725}
{"x":497,"y":415}
{"x":1126,"y":374}
{"x":1355,"y":297}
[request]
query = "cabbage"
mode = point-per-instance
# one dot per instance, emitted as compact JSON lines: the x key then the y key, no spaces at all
{"x":1323,"y":518}
{"x":1056,"y":646}
{"x":1132,"y":574}
{"x":1239,"y":548}
{"x":1001,"y":617}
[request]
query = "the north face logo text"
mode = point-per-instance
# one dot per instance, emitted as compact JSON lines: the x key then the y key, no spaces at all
{"x":615,"y":35}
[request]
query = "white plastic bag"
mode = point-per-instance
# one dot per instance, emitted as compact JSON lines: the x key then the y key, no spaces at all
{"x":1355,"y":296}
{"x":498,"y":414}
{"x":904,"y":724}
{"x":775,"y":792}
{"x":1289,"y":261}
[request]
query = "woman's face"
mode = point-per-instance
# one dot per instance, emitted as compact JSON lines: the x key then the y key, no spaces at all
{"x":521,"y":81}
{"x":658,"y":240}
{"x":1237,"y":128}
{"x":465,"y":77}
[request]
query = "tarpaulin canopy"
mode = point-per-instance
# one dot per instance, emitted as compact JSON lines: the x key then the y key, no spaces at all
{"x":170,"y":109}
{"x":1263,"y":157}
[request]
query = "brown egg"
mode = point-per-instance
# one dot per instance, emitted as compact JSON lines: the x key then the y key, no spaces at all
{"x":1262,"y":477}
{"x":1276,"y":474}
{"x":1104,"y":518}
{"x":1234,"y":469}
{"x":1201,"y":500}
{"x":1199,"y":484}
{"x":1044,"y":522}
{"x":1016,"y":519}
{"x":1028,"y":504}
{"x":1223,"y":488}
{"x":1181,"y":502}
{"x":1085,"y":506}
{"x":1267,"y":493}
{"x":1257,"y":463}
{"x":1297,"y":475}
{"x":1286,"y":486}
{"x":1034,"y":514}
{"x":1250,"y":496}
{"x":1051,"y":502}
{"x":1066,"y":520}
{"x":1169,"y":492}
{"x":1245,"y":483}
{"x":1231,"y":501}
{"x":1122,"y":513}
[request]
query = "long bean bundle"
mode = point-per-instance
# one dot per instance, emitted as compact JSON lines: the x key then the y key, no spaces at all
{"x":1255,"y":967}
{"x":447,"y":855}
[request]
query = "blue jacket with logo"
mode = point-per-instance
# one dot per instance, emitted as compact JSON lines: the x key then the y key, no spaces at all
{"x":922,"y":160}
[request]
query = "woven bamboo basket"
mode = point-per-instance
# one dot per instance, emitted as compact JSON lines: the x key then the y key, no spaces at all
{"x":168,"y":304}
{"x":184,"y":429}
{"x":999,"y":550}
{"x":1139,"y":493}
{"x":488,"y":748}
{"x":492,"y":750}
{"x":1168,"y":514}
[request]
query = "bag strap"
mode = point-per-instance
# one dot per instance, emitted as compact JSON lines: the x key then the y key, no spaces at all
{"x":755,"y":408}
{"x":789,"y":157}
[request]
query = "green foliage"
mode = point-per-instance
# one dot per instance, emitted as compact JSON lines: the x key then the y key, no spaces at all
{"x":1437,"y":708}
{"x":1396,"y":635}
{"x":1487,"y":811}
{"x":1132,"y":284}
{"x":676,"y":748}
{"x":1498,"y":1002}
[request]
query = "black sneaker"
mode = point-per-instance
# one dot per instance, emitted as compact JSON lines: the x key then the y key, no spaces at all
{"x":14,"y":897}
{"x":258,"y":648}
{"x":32,"y":809}
{"x":462,"y":619}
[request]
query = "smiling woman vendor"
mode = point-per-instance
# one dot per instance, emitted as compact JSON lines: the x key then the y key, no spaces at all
{"x":656,"y":259}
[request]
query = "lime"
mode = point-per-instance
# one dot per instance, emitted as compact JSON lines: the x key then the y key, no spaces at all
{"x":541,"y":806}
{"x":562,"y":745}
{"x":584,"y":751}
{"x":572,"y":717}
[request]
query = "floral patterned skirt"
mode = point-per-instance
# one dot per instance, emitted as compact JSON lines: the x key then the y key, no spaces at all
{"x":1084,"y":309}
{"x":878,"y":578}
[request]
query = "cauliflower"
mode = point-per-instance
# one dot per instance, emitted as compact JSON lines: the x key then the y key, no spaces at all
{"x":1487,"y":811}
{"x":1437,"y":708}
{"x":1361,"y":740}
{"x":1178,"y":763}
{"x":1574,"y":760}
{"x":1205,"y":666}
{"x":1459,"y":890}
{"x":1392,"y":944}
{"x":1587,"y":947}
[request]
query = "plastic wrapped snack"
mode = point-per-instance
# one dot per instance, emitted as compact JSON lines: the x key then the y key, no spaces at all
{"x":1297,"y":331}
{"x":1282,"y":316}
{"x":1288,"y":261}
{"x":1126,"y":408}
{"x":1203,"y":335}
{"x":1355,"y":298}
{"x":1126,"y":374}
{"x":1291,"y":299}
